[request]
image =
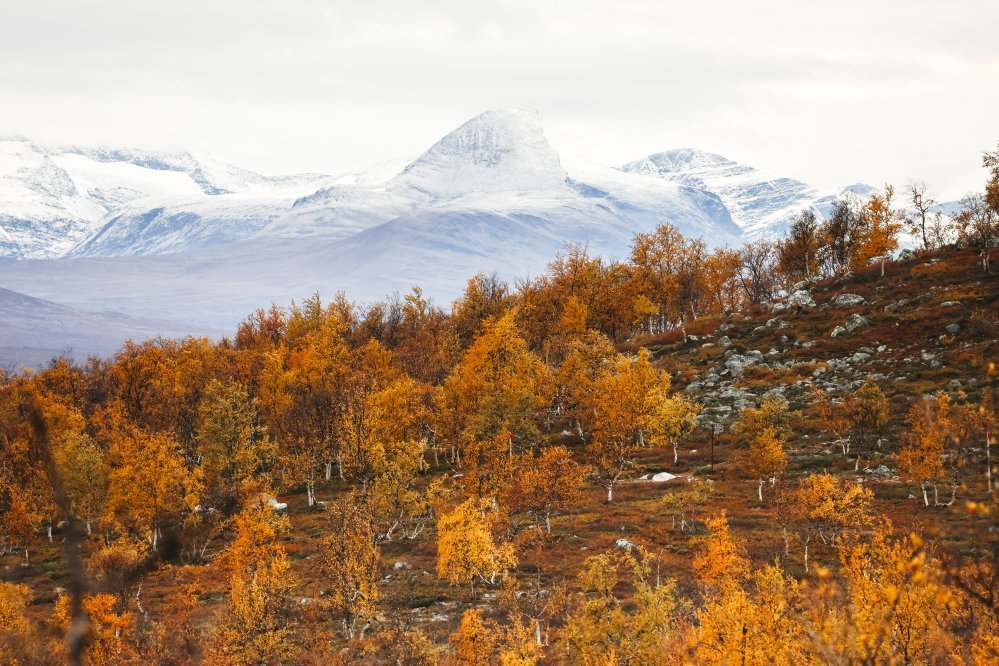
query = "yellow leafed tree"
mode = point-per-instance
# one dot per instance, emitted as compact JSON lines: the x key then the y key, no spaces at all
{"x":466,"y":549}
{"x":671,"y":417}
{"x":348,"y":564}
{"x":258,"y":624}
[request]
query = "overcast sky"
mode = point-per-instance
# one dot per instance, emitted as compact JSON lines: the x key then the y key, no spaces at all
{"x":828,"y":92}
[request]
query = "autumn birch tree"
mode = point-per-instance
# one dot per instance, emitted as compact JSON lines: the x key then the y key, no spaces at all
{"x":620,"y":413}
{"x":348,"y":565}
{"x":671,"y":417}
{"x":466,"y":548}
{"x":921,"y":458}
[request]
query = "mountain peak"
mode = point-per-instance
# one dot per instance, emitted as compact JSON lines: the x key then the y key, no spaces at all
{"x":501,"y":150}
{"x":677,"y":160}
{"x":760,"y":204}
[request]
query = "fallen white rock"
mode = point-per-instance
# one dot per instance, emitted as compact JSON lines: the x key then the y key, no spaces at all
{"x":659,"y":477}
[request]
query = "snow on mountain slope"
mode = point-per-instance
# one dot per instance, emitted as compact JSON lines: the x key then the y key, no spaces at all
{"x":500,"y":162}
{"x":53,"y":198}
{"x":343,"y":205}
{"x":762,"y":205}
{"x":174,"y":226}
{"x":437,"y":249}
{"x":42,"y":212}
{"x":497,"y":151}
{"x":33,"y":331}
{"x":649,"y":201}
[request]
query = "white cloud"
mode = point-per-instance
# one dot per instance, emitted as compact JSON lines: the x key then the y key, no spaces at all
{"x":858,"y":90}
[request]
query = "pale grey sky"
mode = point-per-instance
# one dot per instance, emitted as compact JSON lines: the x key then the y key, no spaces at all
{"x":829,"y":92}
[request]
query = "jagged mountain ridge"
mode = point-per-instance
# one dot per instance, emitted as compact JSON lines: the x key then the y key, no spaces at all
{"x":76,"y":201}
{"x":760,"y":204}
{"x":53,"y":198}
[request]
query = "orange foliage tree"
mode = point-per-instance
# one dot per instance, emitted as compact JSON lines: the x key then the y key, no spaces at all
{"x":921,"y":458}
{"x":551,"y":483}
{"x":621,"y":413}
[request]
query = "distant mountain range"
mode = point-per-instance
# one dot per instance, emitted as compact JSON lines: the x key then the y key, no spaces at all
{"x":33,"y":330}
{"x":192,"y":239}
{"x":56,"y":201}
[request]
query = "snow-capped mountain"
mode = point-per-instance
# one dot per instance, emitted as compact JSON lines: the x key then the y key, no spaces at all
{"x":501,"y":163}
{"x":54,"y":198}
{"x":762,"y":205}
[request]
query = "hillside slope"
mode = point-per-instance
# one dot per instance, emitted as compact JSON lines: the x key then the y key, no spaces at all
{"x":34,"y":331}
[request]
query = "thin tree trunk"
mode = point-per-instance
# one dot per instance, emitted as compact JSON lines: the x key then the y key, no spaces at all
{"x":759,"y":490}
{"x":806,"y":557}
{"x":610,"y":493}
{"x":675,"y":454}
{"x":926,"y":499}
{"x":988,"y":459}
